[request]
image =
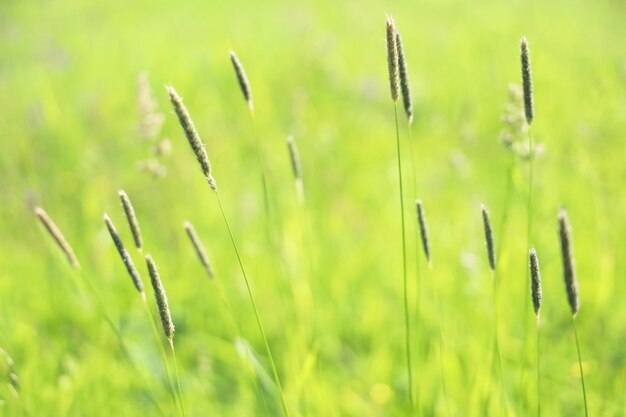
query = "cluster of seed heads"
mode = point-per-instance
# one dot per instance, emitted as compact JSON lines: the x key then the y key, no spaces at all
{"x":192,"y":136}
{"x":58,"y":237}
{"x":126,"y":258}
{"x":242,"y":79}
{"x":491,"y":253}
{"x":197,"y":244}
{"x":527,"y":81}
{"x":161,"y":298}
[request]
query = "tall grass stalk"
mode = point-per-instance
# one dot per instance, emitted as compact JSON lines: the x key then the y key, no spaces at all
{"x":394,"y":81}
{"x":493,"y":266}
{"x":571,"y":286}
{"x":529,"y":113}
{"x":535,"y":280}
{"x":200,"y":152}
{"x":166,"y":320}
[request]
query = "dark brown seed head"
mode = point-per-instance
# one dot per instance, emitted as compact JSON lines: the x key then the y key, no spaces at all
{"x":58,"y":237}
{"x":421,"y":219}
{"x":405,"y":85}
{"x":392,"y":59}
{"x":133,"y":223}
{"x":535,"y":281}
{"x":491,"y":253}
{"x":192,"y":136}
{"x":569,"y":267}
{"x":126,"y":258}
{"x":527,"y":81}
{"x":197,"y":244}
{"x":161,"y":298}
{"x":242,"y":78}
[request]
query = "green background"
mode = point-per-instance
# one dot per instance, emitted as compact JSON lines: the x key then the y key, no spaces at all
{"x":331,"y":303}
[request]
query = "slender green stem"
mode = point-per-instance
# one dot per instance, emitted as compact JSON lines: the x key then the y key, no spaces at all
{"x":407,"y":323}
{"x":496,"y":345}
{"x":506,"y":205}
{"x":180,"y":391}
{"x":580,"y":366}
{"x":159,"y":342}
{"x":538,"y":371}
{"x":254,"y":307}
{"x":261,"y":163}
{"x":441,"y":344}
{"x":528,"y":239}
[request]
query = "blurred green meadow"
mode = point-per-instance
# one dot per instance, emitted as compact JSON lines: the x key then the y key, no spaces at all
{"x":329,"y":283}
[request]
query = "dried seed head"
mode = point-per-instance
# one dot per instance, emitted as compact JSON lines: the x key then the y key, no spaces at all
{"x":197,"y":244}
{"x":192,"y":136}
{"x":491,"y":253}
{"x":421,"y":219}
{"x":392,"y":59}
{"x":527,"y":81}
{"x":535,"y":281}
{"x":56,"y":234}
{"x":161,"y":299}
{"x":132,"y":218}
{"x":126,"y":259}
{"x":242,"y":78}
{"x":150,"y":120}
{"x":405,"y":85}
{"x":569,"y":268}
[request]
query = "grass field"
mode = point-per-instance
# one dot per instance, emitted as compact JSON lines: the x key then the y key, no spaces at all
{"x":326,"y":275}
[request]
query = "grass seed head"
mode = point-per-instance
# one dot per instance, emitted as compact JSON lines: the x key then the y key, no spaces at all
{"x":535,"y":281}
{"x":405,"y":85}
{"x":491,"y":253}
{"x":126,"y":258}
{"x":527,"y":81}
{"x":161,"y":298}
{"x":294,"y":156}
{"x":133,"y":223}
{"x":197,"y":244}
{"x":392,"y":59}
{"x":421,"y":219}
{"x":192,"y":136}
{"x":569,"y":267}
{"x":58,"y":237}
{"x":242,"y":78}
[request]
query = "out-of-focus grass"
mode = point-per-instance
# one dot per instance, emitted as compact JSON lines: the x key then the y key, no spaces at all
{"x":68,"y":72}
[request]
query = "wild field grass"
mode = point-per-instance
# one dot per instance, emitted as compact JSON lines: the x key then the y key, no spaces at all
{"x":308,"y":180}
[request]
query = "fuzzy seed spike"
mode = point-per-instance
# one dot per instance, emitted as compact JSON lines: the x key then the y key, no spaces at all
{"x":192,"y":136}
{"x":569,"y":267}
{"x":57,"y":235}
{"x":527,"y":81}
{"x":392,"y":59}
{"x":491,"y":253}
{"x":421,"y":218}
{"x":535,"y":281}
{"x":242,"y":79}
{"x":133,"y":223}
{"x":161,"y":298}
{"x":197,"y":244}
{"x":126,"y":258}
{"x":405,"y":85}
